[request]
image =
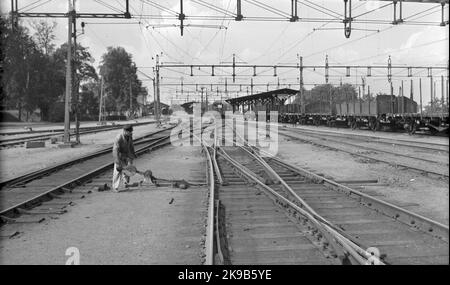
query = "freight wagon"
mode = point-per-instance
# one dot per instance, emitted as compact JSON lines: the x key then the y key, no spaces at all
{"x":384,"y":112}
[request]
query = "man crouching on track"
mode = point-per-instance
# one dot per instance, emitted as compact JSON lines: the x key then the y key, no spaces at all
{"x":123,"y":153}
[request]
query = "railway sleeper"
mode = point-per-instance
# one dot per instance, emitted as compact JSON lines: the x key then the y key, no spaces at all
{"x":41,"y":211}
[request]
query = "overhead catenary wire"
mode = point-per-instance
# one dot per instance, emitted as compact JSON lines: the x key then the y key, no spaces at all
{"x":213,"y":7}
{"x":268,"y":8}
{"x":160,"y":7}
{"x":373,"y":10}
{"x":37,"y":6}
{"x":29,"y":5}
{"x":108,"y":6}
{"x":322,"y":11}
{"x":360,"y":38}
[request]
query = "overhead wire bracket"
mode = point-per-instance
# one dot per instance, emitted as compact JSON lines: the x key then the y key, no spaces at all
{"x":347,"y":19}
{"x":239,"y":16}
{"x":294,"y":15}
{"x":181,"y":17}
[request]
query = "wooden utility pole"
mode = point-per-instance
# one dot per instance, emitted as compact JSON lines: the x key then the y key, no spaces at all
{"x":442,"y":95}
{"x":446,"y":91}
{"x":100,"y":112}
{"x":131,"y":99}
{"x":157,"y":101}
{"x":68,"y":75}
{"x":431,"y":94}
{"x":206,"y":97}
{"x":302,"y":99}
{"x":201,"y":101}
{"x":420,"y":95}
{"x":392,"y":99}
{"x":435,"y":106}
{"x":402,"y":98}
{"x":74,"y":76}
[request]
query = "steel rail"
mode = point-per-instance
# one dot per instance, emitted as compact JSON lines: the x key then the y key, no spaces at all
{"x":159,"y":142}
{"x":407,"y":217}
{"x":352,"y":242}
{"x":49,"y":130}
{"x":9,"y":142}
{"x":217,"y":201}
{"x":404,"y":216}
{"x":83,"y":177}
{"x":320,"y":136}
{"x":371,"y":157}
{"x":343,"y":250}
{"x":210,"y":226}
{"x":367,"y":139}
{"x":29,"y":138}
{"x":419,"y":222}
{"x":35,"y":174}
{"x":209,"y":243}
{"x":214,"y":160}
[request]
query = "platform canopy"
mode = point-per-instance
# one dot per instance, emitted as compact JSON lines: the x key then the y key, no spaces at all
{"x":280,"y":94}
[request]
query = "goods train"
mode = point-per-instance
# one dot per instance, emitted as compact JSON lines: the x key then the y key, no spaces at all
{"x":384,"y":112}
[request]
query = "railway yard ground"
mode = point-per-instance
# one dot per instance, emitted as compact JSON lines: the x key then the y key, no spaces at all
{"x":170,"y":224}
{"x":12,"y":158}
{"x":412,"y":190}
{"x":144,"y":225}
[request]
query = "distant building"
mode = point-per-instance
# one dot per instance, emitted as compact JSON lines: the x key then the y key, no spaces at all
{"x":142,"y":102}
{"x":150,"y":108}
{"x":188,"y":107}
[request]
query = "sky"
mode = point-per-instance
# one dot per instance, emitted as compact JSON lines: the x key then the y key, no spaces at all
{"x":420,"y":41}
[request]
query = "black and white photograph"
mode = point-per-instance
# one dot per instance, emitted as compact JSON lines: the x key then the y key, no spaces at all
{"x":227,"y":132}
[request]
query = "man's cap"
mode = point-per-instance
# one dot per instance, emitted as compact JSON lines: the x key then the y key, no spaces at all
{"x":128,"y":128}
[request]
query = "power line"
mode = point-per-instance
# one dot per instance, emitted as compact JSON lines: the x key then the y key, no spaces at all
{"x":37,"y":6}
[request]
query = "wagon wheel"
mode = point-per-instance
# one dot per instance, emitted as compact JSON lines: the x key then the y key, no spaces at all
{"x":375,"y":126}
{"x":410,"y":128}
{"x":433,"y":131}
{"x":413,"y":129}
{"x":316,"y":123}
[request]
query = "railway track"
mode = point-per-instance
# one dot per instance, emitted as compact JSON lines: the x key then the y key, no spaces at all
{"x":434,"y":167}
{"x":254,"y":230}
{"x":22,"y":193}
{"x":428,"y":146}
{"x":21,"y":140}
{"x":270,"y":212}
{"x":31,"y":131}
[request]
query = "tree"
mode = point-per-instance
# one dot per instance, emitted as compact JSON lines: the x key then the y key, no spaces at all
{"x":19,"y":58}
{"x":44,"y":35}
{"x":346,"y":92}
{"x":89,"y":98}
{"x":34,"y":72}
{"x":119,"y":73}
{"x":322,"y":93}
{"x":83,"y":70}
{"x":438,"y":107}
